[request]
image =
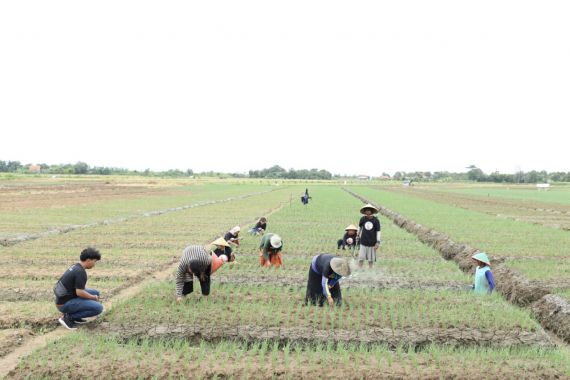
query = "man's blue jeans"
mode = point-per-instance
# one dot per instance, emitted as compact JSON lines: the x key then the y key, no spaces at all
{"x":82,"y":308}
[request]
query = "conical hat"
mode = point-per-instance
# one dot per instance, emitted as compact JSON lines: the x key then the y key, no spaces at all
{"x":340,"y":266}
{"x":482,"y":256}
{"x":371,"y":207}
{"x":220,"y":241}
{"x":351,"y":227}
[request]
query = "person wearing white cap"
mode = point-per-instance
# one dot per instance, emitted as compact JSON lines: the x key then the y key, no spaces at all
{"x":349,"y":238}
{"x":484,"y":282}
{"x":201,"y":262}
{"x":323,"y":284}
{"x":369,"y":234}
{"x":270,"y":250}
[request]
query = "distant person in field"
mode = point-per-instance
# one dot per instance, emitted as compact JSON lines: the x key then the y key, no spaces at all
{"x":349,"y":238}
{"x":201,"y":262}
{"x":369,"y":235}
{"x":72,"y":298}
{"x":484,"y":281}
{"x":232,"y":237}
{"x":324,"y":274}
{"x":260,"y":227}
{"x":270,"y":250}
{"x":305,"y":197}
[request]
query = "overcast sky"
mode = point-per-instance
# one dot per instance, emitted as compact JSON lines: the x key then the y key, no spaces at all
{"x":356,"y":87}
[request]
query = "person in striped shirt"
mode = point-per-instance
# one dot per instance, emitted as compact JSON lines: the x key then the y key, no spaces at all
{"x":201,"y":262}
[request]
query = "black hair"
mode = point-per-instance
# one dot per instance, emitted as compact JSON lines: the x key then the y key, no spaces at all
{"x":90,"y":253}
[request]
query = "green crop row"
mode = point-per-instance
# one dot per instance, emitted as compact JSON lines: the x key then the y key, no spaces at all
{"x":98,"y":356}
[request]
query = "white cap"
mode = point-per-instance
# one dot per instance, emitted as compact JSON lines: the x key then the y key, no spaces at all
{"x":275,"y":241}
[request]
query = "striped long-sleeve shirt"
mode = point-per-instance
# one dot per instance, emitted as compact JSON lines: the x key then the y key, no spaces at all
{"x":195,"y":260}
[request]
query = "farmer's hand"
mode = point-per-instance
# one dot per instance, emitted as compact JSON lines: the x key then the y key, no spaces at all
{"x":96,"y":298}
{"x":267,"y":264}
{"x":377,"y":245}
{"x":178,"y":299}
{"x":331,"y":302}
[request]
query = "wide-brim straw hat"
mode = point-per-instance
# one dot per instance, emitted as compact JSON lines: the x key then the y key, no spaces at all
{"x":482,"y":256}
{"x":368,"y":206}
{"x":220,"y":241}
{"x":276,"y":241}
{"x":351,"y":227}
{"x":340,"y":266}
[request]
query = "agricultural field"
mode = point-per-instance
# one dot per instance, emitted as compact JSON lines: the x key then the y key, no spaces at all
{"x":538,"y":252}
{"x":35,"y":207}
{"x":549,"y":208}
{"x":411,"y":316}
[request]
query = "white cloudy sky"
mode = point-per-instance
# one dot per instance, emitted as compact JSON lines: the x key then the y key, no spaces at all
{"x":347,"y":86}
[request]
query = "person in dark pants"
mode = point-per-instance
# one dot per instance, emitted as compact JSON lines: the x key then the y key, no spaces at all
{"x":201,"y":262}
{"x":323,"y":284}
{"x":349,"y":238}
{"x":72,"y":298}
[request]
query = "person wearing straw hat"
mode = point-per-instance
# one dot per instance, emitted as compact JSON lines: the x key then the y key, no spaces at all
{"x":270,"y":250}
{"x":349,"y":238}
{"x":201,"y":262}
{"x":484,"y":282}
{"x":369,"y":235}
{"x":323,"y":284}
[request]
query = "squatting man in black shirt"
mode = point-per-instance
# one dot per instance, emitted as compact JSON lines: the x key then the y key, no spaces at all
{"x":72,"y":298}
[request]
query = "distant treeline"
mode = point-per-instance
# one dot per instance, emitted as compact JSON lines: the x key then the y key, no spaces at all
{"x":82,"y":168}
{"x":277,"y":172}
{"x":476,"y":174}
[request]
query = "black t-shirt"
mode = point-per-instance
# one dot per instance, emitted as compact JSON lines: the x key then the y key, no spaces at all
{"x":261,"y":225}
{"x":73,"y":278}
{"x":368,"y":228}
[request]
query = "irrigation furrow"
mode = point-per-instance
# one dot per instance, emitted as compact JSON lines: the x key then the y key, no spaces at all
{"x":383,"y":283}
{"x":300,"y":336}
{"x":65,"y":229}
{"x":552,"y":311}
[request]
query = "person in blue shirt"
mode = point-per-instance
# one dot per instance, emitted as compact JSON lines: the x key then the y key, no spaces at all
{"x":484,"y":282}
{"x":324,"y":274}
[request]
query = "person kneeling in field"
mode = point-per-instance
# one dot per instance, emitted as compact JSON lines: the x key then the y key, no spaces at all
{"x":72,"y":298}
{"x":324,"y":274}
{"x":201,"y":262}
{"x":484,"y":281}
{"x":270,"y":250}
{"x":349,"y":238}
{"x":260,"y":227}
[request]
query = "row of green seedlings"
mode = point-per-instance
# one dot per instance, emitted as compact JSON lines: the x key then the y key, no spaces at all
{"x":275,"y":306}
{"x":172,"y":356}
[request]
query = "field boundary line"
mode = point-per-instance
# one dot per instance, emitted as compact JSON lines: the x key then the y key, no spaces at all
{"x":11,"y":360}
{"x":552,"y":311}
{"x":7,"y":242}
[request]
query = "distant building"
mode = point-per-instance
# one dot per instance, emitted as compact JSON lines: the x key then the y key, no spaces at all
{"x":35,"y":168}
{"x":542,"y":186}
{"x":364,"y":177}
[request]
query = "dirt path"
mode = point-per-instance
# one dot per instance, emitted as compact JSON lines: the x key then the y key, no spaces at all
{"x":11,"y":360}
